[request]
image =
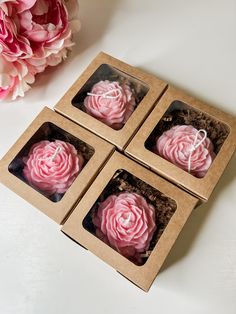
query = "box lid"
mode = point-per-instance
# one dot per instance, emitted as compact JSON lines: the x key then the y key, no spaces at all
{"x":144,"y":275}
{"x":120,"y":137}
{"x":60,"y":209}
{"x":200,"y":187}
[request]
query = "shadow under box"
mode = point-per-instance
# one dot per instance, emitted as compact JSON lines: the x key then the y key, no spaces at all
{"x":180,"y":113}
{"x":123,"y":181}
{"x":51,"y":132}
{"x":107,"y":72}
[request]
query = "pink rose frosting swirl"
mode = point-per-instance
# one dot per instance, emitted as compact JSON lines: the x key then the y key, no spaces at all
{"x":52,"y":166}
{"x":110,"y":103}
{"x":126,"y":222}
{"x":176,"y":145}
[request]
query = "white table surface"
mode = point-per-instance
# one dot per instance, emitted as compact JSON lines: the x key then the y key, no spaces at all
{"x":191,"y":44}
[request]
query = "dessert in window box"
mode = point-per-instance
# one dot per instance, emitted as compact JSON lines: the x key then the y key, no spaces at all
{"x":130,"y":218}
{"x":186,"y":141}
{"x":111,"y":99}
{"x":53,"y":163}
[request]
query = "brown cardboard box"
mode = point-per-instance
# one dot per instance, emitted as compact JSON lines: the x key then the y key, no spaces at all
{"x":200,"y":187}
{"x":76,"y":204}
{"x":101,"y":68}
{"x":144,"y":275}
{"x":48,"y":120}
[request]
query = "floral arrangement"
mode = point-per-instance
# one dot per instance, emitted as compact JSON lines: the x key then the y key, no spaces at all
{"x":34,"y":34}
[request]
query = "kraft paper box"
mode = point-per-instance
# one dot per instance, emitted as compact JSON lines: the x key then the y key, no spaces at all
{"x":50,"y":126}
{"x":145,"y":89}
{"x":172,"y":208}
{"x":177,"y":108}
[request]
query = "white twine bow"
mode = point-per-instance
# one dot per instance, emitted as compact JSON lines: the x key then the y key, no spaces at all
{"x":107,"y":94}
{"x":195,"y":145}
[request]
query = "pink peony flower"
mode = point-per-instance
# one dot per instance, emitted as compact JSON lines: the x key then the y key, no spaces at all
{"x":46,"y":26}
{"x":15,"y":78}
{"x":52,"y":167}
{"x":110,"y":103}
{"x":37,"y":31}
{"x":126,"y":222}
{"x":12,"y":44}
{"x":177,"y":146}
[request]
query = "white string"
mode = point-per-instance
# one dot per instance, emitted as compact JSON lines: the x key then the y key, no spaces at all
{"x":57,"y":151}
{"x":106,"y":95}
{"x":195,"y":145}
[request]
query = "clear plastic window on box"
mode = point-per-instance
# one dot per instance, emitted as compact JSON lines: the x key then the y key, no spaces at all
{"x":110,"y":96}
{"x":188,"y":138}
{"x":51,"y":160}
{"x":130,"y":216}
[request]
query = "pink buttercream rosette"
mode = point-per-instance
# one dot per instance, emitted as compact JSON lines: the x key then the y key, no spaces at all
{"x":176,"y":145}
{"x":110,"y":103}
{"x":126,"y":222}
{"x":51,"y":167}
{"x":33,"y":35}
